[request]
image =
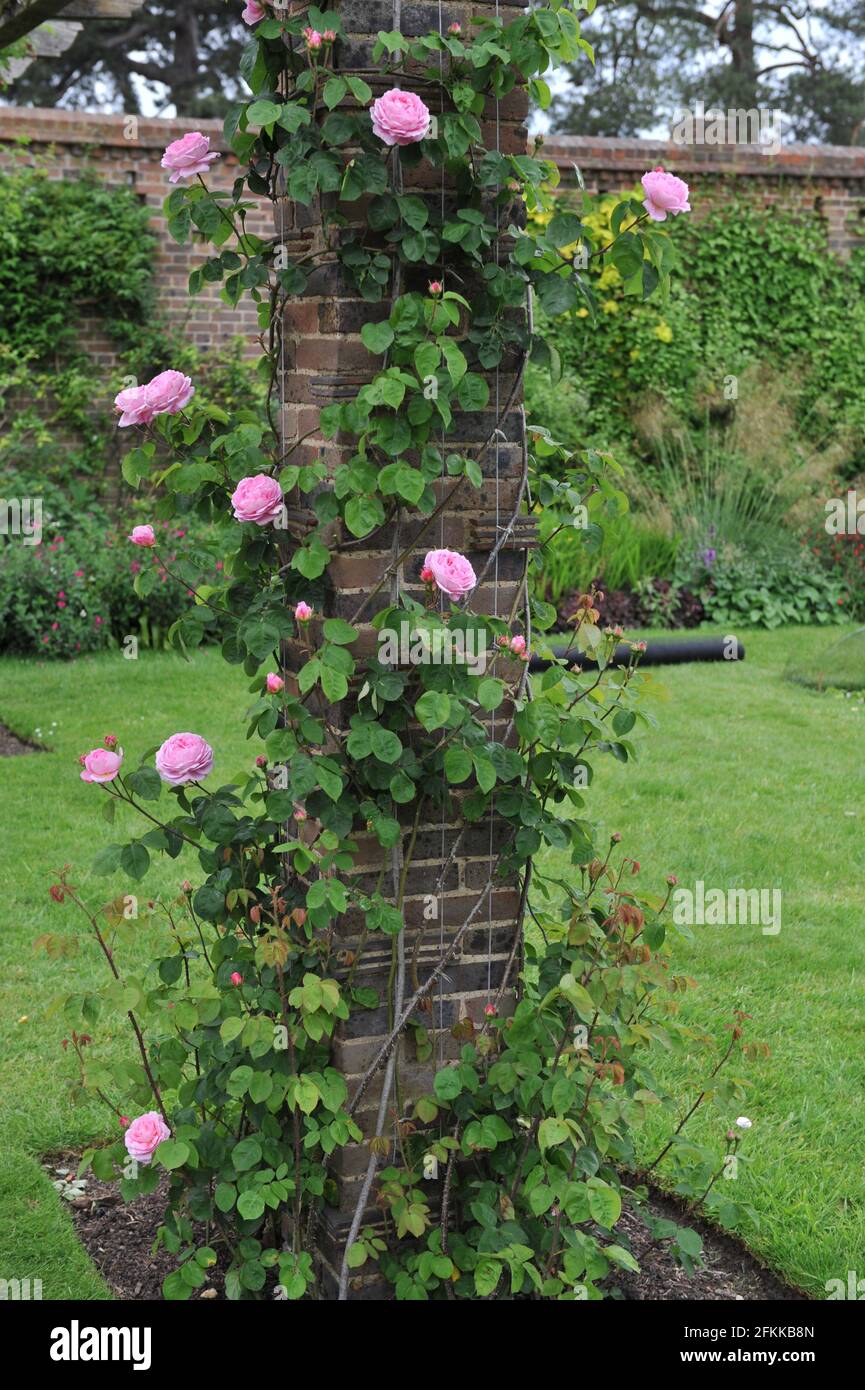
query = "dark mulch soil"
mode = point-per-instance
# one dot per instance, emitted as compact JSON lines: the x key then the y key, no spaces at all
{"x":119,"y":1240}
{"x":731,"y":1271}
{"x":11,"y":745}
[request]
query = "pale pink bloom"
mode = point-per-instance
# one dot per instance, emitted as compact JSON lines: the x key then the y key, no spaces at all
{"x":399,"y":118}
{"x":313,"y":37}
{"x":275,"y":683}
{"x":133,"y":406}
{"x":236,"y":978}
{"x":169,"y":392}
{"x":452,"y":572}
{"x":143,"y":1137}
{"x":252,"y":12}
{"x":143,"y":535}
{"x":435,"y":286}
{"x":188,"y":156}
{"x":257,"y":499}
{"x":302,"y":612}
{"x":101,"y":765}
{"x":184,"y":758}
{"x":664,"y":193}
{"x":329,"y":36}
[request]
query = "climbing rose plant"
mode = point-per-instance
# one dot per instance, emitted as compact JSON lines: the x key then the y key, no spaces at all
{"x":231,"y":1089}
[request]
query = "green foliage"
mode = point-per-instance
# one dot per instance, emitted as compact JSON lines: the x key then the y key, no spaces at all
{"x":68,"y":246}
{"x":234,"y":1019}
{"x":756,"y":594}
{"x":759,"y":287}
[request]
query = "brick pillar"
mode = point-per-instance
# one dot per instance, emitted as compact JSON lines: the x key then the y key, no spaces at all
{"x":325,"y":362}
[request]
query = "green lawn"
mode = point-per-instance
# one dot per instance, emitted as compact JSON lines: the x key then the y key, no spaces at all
{"x":748,"y":780}
{"x":751,"y":781}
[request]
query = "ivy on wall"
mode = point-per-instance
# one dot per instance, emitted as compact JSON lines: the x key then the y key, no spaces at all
{"x":65,"y":244}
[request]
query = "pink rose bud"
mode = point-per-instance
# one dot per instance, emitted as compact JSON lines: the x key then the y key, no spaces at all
{"x":399,"y":118}
{"x":435,"y":286}
{"x":275,"y":683}
{"x":110,"y":740}
{"x":672,"y":880}
{"x":664,"y":194}
{"x":186,"y":886}
{"x":133,"y":407}
{"x":236,"y":978}
{"x":518,"y":645}
{"x":299,"y":814}
{"x":257,"y":499}
{"x":261,"y":761}
{"x":252,"y":12}
{"x":142,"y":535}
{"x":124,"y":1121}
{"x":144,"y":1135}
{"x":313,"y":38}
{"x":616,"y":836}
{"x":102,"y":765}
{"x":490,"y":1010}
{"x":455,"y":28}
{"x":502,"y":641}
{"x":427,"y":576}
{"x":184,"y":758}
{"x":302,"y":612}
{"x":329,"y":36}
{"x":188,"y":157}
{"x":451,"y":572}
{"x":168,"y":393}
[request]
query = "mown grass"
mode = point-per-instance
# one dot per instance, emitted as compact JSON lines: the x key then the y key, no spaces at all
{"x":751,"y":781}
{"x":748,"y":780}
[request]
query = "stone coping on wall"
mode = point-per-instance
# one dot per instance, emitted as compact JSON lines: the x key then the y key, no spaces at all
{"x":47,"y":126}
{"x":599,"y":152}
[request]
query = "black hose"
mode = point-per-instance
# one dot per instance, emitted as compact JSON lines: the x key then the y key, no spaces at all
{"x":657,"y":653}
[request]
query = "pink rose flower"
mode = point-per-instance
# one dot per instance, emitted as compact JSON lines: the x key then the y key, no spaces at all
{"x":143,"y":1137}
{"x":102,"y":765}
{"x":142,"y":535}
{"x":252,"y":12}
{"x":257,"y":499}
{"x":664,"y":193}
{"x":236,"y":978}
{"x":168,"y":393}
{"x":133,"y":406}
{"x":452,"y":572}
{"x":435,"y":286}
{"x":329,"y":36}
{"x":399,"y":118}
{"x":518,"y":645}
{"x":275,"y":683}
{"x":190,"y":156}
{"x":313,"y":37}
{"x":184,"y":758}
{"x":302,"y":612}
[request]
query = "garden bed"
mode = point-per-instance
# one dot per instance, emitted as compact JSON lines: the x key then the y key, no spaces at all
{"x":119,"y":1240}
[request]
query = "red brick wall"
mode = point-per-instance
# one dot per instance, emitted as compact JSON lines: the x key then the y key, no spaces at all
{"x":125,"y":152}
{"x":828,"y":180}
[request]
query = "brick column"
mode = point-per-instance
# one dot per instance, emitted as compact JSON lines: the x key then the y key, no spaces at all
{"x":325,"y":362}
